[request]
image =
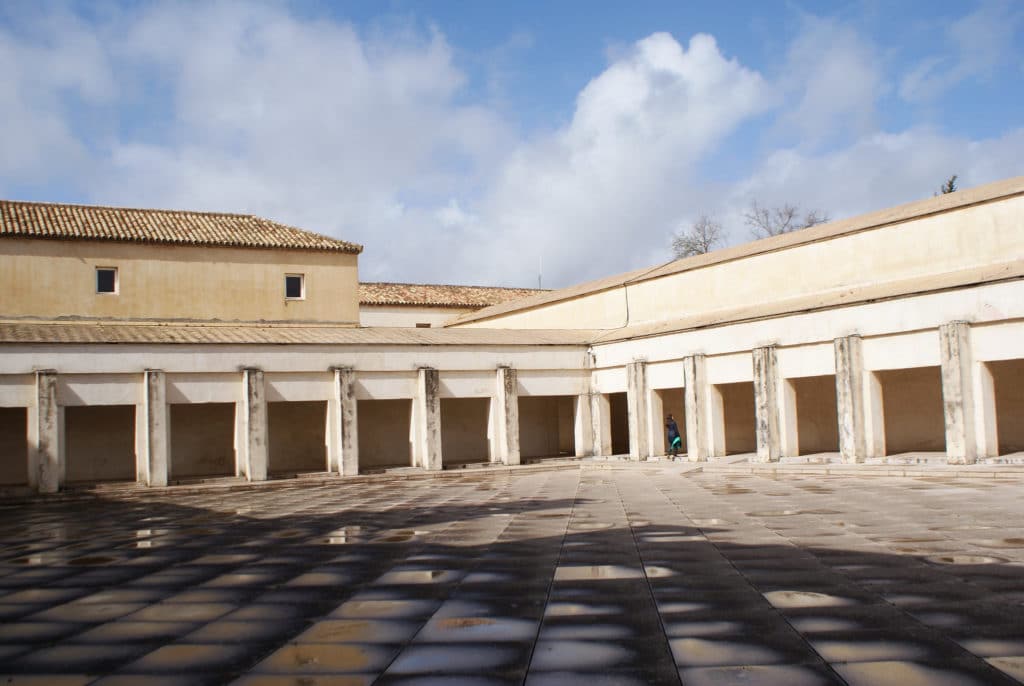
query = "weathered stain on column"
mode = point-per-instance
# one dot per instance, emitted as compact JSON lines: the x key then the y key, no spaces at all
{"x":958,"y":392}
{"x":695,"y":401}
{"x":157,"y":445}
{"x":636,"y":403}
{"x":508,"y":415}
{"x":348,"y":418}
{"x":256,"y":439}
{"x":428,"y":417}
{"x":766,"y":404}
{"x":850,"y":398}
{"x":45,"y":455}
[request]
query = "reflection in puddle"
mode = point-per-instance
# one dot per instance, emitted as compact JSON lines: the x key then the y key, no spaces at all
{"x":578,"y":655}
{"x":792,"y":599}
{"x":708,"y":653}
{"x":419,"y":576}
{"x":591,"y":572}
{"x":965,"y":559}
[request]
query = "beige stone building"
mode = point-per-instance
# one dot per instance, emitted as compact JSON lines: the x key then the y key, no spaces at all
{"x":891,"y":337}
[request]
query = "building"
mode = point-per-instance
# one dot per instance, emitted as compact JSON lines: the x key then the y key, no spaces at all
{"x":897,"y":335}
{"x":427,"y":305}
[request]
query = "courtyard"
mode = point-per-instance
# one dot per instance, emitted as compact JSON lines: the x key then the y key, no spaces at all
{"x":616,"y":573}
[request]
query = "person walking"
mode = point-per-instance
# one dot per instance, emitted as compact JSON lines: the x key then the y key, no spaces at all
{"x":675,"y":442}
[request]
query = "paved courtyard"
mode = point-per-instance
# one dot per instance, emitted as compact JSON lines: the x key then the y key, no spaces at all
{"x":615,"y":574}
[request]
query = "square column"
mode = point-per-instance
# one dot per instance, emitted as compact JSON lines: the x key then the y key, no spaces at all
{"x":850,"y":398}
{"x":506,"y":416}
{"x":155,"y":455}
{"x":255,"y":432}
{"x":46,"y":464}
{"x":583,"y":429}
{"x":958,"y":392}
{"x":636,"y":403}
{"x":600,"y":423}
{"x":695,"y":399}
{"x":655,"y":423}
{"x":427,"y":420}
{"x":343,"y":424}
{"x":985,"y":432}
{"x":766,"y":404}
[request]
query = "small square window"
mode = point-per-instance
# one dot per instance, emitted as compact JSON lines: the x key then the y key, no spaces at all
{"x":106,"y":279}
{"x":422,"y":325}
{"x":294,"y":287}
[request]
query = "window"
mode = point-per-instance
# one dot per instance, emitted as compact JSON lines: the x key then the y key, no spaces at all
{"x":422,"y":325}
{"x":294,"y":287}
{"x":106,"y":280}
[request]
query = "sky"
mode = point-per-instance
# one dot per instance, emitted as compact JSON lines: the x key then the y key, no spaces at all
{"x":513,"y":143}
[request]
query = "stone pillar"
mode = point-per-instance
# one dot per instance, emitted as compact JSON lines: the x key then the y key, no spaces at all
{"x":343,"y":424}
{"x":695,"y":394}
{"x":427,"y":414}
{"x":600,"y":423}
{"x":985,"y":411}
{"x":850,"y":398}
{"x":155,"y":461}
{"x":583,"y":428}
{"x":255,"y":432}
{"x":636,"y":403}
{"x":958,"y":392}
{"x":655,"y":423}
{"x":46,"y":433}
{"x":766,"y":404}
{"x":506,"y":415}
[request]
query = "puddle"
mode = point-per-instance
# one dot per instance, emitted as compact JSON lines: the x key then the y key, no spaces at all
{"x":708,"y":653}
{"x":869,"y":651}
{"x":578,"y":609}
{"x":655,"y":572}
{"x":704,"y":628}
{"x":894,"y":673}
{"x":795,"y":599}
{"x":461,"y":659}
{"x":483,"y":629}
{"x":595,"y":572}
{"x":316,"y":658}
{"x":357,"y":631}
{"x":773,"y":513}
{"x":821,"y":624}
{"x":419,"y":576}
{"x":965,"y":559}
{"x":681,"y":606}
{"x":1001,"y":543}
{"x":550,"y":655}
{"x":711,"y":522}
{"x":591,"y":526}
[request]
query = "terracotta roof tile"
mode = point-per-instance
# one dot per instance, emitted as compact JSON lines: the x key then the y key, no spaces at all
{"x":412,"y":294}
{"x":174,"y":227}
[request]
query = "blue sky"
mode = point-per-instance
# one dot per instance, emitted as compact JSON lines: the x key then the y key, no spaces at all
{"x":468,"y":142}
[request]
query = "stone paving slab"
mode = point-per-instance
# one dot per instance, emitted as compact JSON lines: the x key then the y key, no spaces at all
{"x":599,"y":573}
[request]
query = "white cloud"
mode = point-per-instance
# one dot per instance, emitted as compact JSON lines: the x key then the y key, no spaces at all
{"x":833,"y":77}
{"x":979,"y":43}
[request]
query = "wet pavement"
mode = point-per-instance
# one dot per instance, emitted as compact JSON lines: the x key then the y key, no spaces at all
{"x":630,"y":574}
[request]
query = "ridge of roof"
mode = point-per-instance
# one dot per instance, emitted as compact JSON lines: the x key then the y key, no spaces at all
{"x":864,"y":222}
{"x":70,"y":221}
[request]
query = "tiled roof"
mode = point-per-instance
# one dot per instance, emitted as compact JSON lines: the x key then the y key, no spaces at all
{"x":438,"y":295}
{"x":174,"y":227}
{"x":35,"y":332}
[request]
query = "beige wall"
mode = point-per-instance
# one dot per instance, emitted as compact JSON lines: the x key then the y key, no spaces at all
{"x":297,"y":436}
{"x":546,"y":426}
{"x":738,"y":410}
{"x":384,"y":433}
{"x":393,"y":315}
{"x":912,"y":410}
{"x":464,"y":430}
{"x":202,"y":440}
{"x":985,"y":234}
{"x":816,"y":426}
{"x":1008,"y":378}
{"x":100,"y":443}
{"x":51,"y":278}
{"x":13,"y":446}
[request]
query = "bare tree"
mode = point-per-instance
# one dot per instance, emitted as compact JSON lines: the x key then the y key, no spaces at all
{"x":773,"y":221}
{"x":948,"y":187}
{"x":703,"y":237}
